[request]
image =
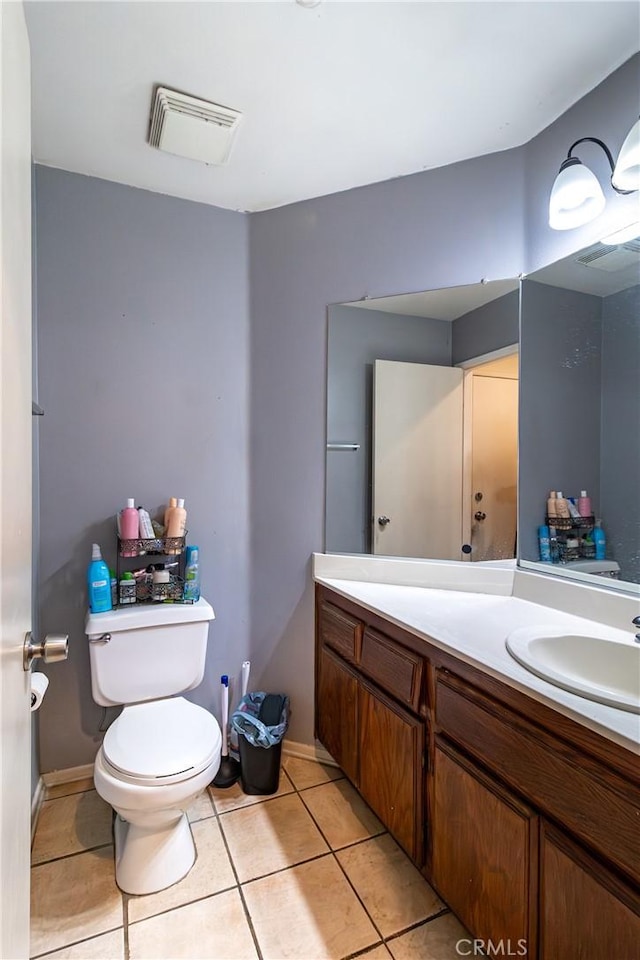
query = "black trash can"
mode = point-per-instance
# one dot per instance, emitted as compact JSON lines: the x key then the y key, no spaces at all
{"x":261,"y":721}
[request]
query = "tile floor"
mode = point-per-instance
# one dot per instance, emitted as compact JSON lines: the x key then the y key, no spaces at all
{"x":307,"y":874}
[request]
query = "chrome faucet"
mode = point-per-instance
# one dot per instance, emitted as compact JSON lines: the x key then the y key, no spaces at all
{"x":636,"y":623}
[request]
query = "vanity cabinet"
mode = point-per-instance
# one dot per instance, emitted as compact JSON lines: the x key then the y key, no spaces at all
{"x":526,"y":822}
{"x":585,"y":910}
{"x":484,"y":852}
{"x":369,"y":690}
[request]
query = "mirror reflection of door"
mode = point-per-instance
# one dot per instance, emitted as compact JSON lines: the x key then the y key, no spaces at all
{"x":493,"y":458}
{"x":417,"y":460}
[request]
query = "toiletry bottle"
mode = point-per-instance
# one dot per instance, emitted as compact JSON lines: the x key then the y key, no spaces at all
{"x":177,"y":524}
{"x":129,"y":527}
{"x":584,"y":504}
{"x":573,"y":510}
{"x":551,"y":505}
{"x":127,"y":588}
{"x":167,"y":513}
{"x":554,"y":547}
{"x":562,"y":508}
{"x":146,"y":527}
{"x":600,"y":541}
{"x":98,"y":583}
{"x":544,"y":542}
{"x":161,"y":579}
{"x":192,"y":574}
{"x":114,"y":587}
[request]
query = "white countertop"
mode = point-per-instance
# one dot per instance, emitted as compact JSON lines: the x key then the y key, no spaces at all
{"x":474,"y":626}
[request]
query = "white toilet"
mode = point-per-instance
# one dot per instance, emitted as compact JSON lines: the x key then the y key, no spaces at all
{"x":162,"y":751}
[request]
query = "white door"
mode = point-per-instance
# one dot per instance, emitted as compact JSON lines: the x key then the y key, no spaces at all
{"x":15,"y":480}
{"x":494,"y":468}
{"x":417,"y":460}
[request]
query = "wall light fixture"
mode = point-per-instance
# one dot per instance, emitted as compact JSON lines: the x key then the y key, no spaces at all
{"x":577,"y":197}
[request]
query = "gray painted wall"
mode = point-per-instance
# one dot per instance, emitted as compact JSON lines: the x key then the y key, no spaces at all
{"x":175,"y":268}
{"x":490,"y":327}
{"x":356,"y":338}
{"x":143,"y":343}
{"x":620,"y":446}
{"x":442,"y":228}
{"x":559,"y":423}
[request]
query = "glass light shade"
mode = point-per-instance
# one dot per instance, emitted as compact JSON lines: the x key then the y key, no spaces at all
{"x":626,"y":175}
{"x":576,"y":196}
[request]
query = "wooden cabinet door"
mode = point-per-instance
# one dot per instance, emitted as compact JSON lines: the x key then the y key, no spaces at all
{"x":485,"y":845}
{"x":586,"y":913}
{"x":391,"y":745}
{"x":337,"y":711}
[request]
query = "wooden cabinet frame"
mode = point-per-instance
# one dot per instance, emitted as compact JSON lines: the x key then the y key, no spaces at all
{"x":585,"y":787}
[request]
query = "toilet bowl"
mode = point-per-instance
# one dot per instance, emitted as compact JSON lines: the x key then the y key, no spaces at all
{"x":155,"y":761}
{"x":162,"y":751}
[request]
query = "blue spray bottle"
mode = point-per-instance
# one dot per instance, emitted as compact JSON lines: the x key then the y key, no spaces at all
{"x":98,"y":583}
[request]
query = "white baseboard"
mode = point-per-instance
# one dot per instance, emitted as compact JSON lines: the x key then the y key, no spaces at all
{"x":36,"y":803}
{"x":290,"y":748}
{"x":69,"y":775}
{"x":307,"y":751}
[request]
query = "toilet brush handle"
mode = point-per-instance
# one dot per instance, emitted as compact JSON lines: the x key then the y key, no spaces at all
{"x":224,"y":680}
{"x":246,"y":667}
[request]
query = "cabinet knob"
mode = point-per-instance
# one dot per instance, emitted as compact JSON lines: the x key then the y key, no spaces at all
{"x":383,"y":521}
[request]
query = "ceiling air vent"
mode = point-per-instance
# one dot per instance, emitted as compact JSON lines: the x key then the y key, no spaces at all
{"x":611,"y":259}
{"x":192,"y":128}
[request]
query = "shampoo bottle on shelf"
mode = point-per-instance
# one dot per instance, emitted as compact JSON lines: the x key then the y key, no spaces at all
{"x":177,"y":524}
{"x":551,"y":505}
{"x":192,"y":575}
{"x":129,"y":526}
{"x":562,"y":507}
{"x":600,"y":541}
{"x":584,"y":504}
{"x":98,"y":583}
{"x":173,"y":503}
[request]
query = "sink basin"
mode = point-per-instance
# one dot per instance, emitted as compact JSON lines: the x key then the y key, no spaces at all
{"x":597,"y":668}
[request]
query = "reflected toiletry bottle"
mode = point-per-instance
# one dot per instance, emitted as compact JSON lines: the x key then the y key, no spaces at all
{"x":544,"y":542}
{"x":551,"y":505}
{"x":554,"y":546}
{"x":562,"y":507}
{"x":129,"y":526}
{"x":192,"y":574}
{"x":114,"y":587}
{"x":573,"y":510}
{"x":584,"y":504}
{"x":98,"y":582}
{"x":600,"y":541}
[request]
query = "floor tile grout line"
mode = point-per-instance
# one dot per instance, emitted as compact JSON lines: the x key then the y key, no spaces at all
{"x":344,"y":847}
{"x":73,"y":853}
{"x":245,"y":907}
{"x":74,"y":943}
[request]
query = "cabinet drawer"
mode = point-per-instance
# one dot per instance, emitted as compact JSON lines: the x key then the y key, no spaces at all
{"x":340,"y":631}
{"x":397,"y":670}
{"x":592,"y":801}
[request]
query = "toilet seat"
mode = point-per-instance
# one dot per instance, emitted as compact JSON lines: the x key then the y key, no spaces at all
{"x":161,"y":742}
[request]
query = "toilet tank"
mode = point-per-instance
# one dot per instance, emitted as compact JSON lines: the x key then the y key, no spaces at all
{"x":152,"y":651}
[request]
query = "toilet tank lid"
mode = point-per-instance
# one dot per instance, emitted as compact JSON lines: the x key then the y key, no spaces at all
{"x":142,"y":615}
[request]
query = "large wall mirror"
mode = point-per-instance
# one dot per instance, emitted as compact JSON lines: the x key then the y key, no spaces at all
{"x":422,"y":407}
{"x":580,"y":411}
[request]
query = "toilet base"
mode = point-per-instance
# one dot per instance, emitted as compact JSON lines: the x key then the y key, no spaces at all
{"x":148,"y":859}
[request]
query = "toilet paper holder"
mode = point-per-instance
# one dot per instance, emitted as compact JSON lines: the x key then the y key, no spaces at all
{"x":54,"y":647}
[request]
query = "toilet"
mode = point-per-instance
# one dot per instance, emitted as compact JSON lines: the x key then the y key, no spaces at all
{"x":162,"y":751}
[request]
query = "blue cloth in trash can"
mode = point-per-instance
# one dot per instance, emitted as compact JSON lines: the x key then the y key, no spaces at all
{"x":245,"y":721}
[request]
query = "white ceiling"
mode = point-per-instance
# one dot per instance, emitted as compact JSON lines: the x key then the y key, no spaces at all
{"x":341,"y":95}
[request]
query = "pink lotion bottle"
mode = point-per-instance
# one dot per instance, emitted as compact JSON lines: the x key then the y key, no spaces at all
{"x":584,"y":504}
{"x":129,"y":526}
